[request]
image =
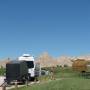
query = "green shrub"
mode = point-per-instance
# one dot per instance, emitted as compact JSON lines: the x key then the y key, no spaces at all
{"x":2,"y":70}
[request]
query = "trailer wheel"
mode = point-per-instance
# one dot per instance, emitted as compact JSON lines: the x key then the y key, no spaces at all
{"x":8,"y":83}
{"x":32,"y":78}
{"x":23,"y":81}
{"x":36,"y":79}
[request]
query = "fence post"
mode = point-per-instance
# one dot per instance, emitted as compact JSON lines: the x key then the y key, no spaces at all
{"x":3,"y":87}
{"x":26,"y":82}
{"x":16,"y":85}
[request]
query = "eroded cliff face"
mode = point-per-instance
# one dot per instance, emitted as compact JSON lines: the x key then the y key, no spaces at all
{"x":48,"y":61}
{"x":3,"y":62}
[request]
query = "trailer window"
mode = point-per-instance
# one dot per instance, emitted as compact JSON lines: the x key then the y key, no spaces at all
{"x":30,"y":64}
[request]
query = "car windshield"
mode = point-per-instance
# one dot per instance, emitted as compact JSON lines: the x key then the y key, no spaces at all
{"x":30,"y":64}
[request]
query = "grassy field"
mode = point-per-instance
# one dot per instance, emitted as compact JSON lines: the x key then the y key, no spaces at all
{"x":66,"y":79}
{"x":64,"y":84}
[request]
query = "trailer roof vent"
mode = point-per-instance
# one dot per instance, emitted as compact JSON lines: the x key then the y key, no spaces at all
{"x":26,"y":55}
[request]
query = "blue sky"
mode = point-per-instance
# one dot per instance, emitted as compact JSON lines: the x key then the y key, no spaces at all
{"x":60,"y":27}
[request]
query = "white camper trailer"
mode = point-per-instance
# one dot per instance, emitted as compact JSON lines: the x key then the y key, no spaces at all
{"x":30,"y":63}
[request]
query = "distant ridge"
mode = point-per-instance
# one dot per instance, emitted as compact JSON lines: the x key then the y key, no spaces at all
{"x":4,"y":61}
{"x":47,"y":60}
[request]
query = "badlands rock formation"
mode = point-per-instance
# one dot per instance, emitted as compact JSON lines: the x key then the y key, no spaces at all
{"x":46,"y":60}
